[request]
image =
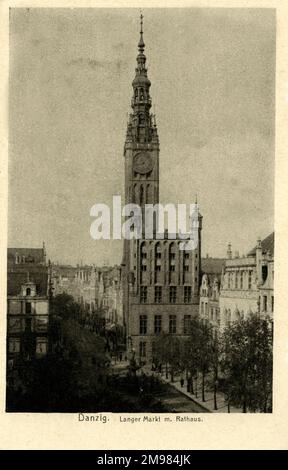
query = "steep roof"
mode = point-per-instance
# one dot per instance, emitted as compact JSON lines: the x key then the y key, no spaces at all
{"x":212,"y":266}
{"x":267,"y":245}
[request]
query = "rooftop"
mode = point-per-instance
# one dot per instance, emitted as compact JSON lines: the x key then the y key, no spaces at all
{"x":267,"y":245}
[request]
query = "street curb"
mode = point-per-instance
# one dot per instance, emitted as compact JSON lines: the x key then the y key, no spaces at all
{"x":186,"y":395}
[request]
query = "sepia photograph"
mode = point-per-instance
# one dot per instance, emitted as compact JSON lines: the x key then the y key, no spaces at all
{"x":140,"y":258}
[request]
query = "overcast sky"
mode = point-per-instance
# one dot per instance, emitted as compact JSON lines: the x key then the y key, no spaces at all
{"x":212,"y":74}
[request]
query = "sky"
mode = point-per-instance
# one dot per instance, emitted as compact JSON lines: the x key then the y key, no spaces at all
{"x":70,"y":88}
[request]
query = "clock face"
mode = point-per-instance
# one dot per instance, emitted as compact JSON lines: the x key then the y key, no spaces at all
{"x":143,"y":163}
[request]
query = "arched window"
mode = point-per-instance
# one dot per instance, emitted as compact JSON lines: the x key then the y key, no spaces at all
{"x":172,"y":256}
{"x":141,"y":94}
{"x":147,"y":193}
{"x":28,"y":291}
{"x":158,"y":256}
{"x":143,"y":257}
{"x":141,"y":197}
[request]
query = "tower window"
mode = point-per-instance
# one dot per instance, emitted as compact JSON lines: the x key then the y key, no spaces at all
{"x":143,"y":294}
{"x":143,"y":325}
{"x":187,"y":294}
{"x":28,"y":291}
{"x":173,"y":294}
{"x":157,"y":324}
{"x":142,"y":349}
{"x":187,"y":324}
{"x":158,"y":294}
{"x":172,"y":324}
{"x":28,"y":308}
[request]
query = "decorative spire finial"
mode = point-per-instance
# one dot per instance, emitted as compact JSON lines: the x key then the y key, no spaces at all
{"x":141,"y":44}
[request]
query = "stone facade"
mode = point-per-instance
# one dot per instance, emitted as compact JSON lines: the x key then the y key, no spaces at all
{"x":247,"y":284}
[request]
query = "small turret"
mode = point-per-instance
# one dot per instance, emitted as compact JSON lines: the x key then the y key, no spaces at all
{"x":229,"y":251}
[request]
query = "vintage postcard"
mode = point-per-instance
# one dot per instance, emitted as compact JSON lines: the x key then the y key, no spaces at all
{"x":144,"y":225}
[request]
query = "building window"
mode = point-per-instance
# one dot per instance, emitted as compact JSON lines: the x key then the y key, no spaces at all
{"x":249,"y":279}
{"x":158,"y":294}
{"x":173,"y":295}
{"x":187,"y":324}
{"x":172,"y":324}
{"x":158,"y":255}
{"x":202,"y":308}
{"x":241,"y":280}
{"x":143,"y":255}
{"x":28,"y":291}
{"x":28,"y":307}
{"x":143,"y":294}
{"x":229,"y":280}
{"x":236,"y":280}
{"x":187,"y":294}
{"x":265,"y":303}
{"x":264,"y":273}
{"x":143,"y":325}
{"x":157,"y":324}
{"x":14,"y":345}
{"x":186,"y":255}
{"x":41,"y":346}
{"x":186,"y":268}
{"x":227,"y":317}
{"x":158,"y":267}
{"x":143,"y":267}
{"x":172,"y":255}
{"x":172,"y":267}
{"x":272,"y":303}
{"x":142,"y":349}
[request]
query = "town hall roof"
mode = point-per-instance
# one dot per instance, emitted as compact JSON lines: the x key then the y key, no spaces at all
{"x":267,"y":245}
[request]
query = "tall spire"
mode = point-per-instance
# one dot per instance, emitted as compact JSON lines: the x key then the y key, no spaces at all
{"x":141,"y":44}
{"x":141,"y":125}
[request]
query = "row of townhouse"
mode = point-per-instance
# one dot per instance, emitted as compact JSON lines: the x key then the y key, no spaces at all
{"x":98,"y":290}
